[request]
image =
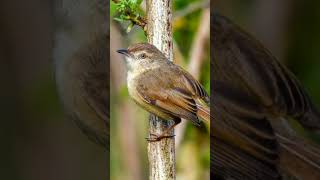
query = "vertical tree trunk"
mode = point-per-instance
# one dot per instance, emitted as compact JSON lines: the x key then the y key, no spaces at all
{"x":161,"y":154}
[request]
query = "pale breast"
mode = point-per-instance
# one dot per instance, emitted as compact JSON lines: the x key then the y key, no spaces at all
{"x":133,"y":74}
{"x":132,"y":86}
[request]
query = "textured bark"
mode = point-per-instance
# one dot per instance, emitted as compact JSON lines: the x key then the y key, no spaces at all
{"x":161,"y":154}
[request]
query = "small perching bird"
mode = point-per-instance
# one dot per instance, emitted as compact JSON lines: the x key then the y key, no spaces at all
{"x":163,"y":88}
{"x":82,"y":65}
{"x":254,"y":96}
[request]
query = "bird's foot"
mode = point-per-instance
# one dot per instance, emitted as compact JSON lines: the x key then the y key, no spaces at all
{"x":155,"y":137}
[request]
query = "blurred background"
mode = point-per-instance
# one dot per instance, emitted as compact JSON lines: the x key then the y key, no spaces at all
{"x":37,"y":142}
{"x":290,"y":30}
{"x":129,"y":123}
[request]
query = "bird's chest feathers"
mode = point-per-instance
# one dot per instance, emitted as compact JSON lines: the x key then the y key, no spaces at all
{"x":133,"y":77}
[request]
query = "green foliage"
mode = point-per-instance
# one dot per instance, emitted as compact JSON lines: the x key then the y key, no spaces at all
{"x":128,"y":5}
{"x":185,"y":27}
{"x":129,"y":10}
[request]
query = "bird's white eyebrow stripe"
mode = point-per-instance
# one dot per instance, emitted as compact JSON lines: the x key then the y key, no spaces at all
{"x":145,"y":52}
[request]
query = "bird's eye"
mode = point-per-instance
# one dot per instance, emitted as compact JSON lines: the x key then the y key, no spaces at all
{"x":143,"y":56}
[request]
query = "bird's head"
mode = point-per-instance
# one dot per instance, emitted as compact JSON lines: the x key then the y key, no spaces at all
{"x":141,"y":54}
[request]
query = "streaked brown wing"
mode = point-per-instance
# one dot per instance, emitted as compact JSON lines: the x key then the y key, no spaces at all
{"x":173,"y":94}
{"x":97,"y":95}
{"x":252,"y":89}
{"x":230,"y":162}
{"x":242,"y":61}
{"x":95,"y":91}
{"x":242,"y":96}
{"x":246,"y":122}
{"x":243,"y":142}
{"x":195,"y":88}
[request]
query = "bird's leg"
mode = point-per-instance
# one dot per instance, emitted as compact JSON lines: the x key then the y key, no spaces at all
{"x":157,"y":137}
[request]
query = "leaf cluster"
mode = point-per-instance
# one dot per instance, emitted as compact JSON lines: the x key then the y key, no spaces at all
{"x":129,"y":10}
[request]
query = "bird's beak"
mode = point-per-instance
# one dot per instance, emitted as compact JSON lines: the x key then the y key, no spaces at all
{"x":124,"y":52}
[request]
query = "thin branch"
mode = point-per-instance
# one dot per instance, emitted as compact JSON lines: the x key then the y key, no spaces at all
{"x":140,"y":21}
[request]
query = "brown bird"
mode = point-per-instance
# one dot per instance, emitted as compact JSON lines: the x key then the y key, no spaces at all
{"x":163,"y":88}
{"x":82,"y":65}
{"x":254,"y":96}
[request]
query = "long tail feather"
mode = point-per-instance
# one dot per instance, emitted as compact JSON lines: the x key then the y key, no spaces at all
{"x":203,"y":111}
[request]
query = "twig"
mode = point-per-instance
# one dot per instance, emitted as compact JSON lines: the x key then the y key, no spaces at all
{"x":140,"y":21}
{"x":161,"y":154}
